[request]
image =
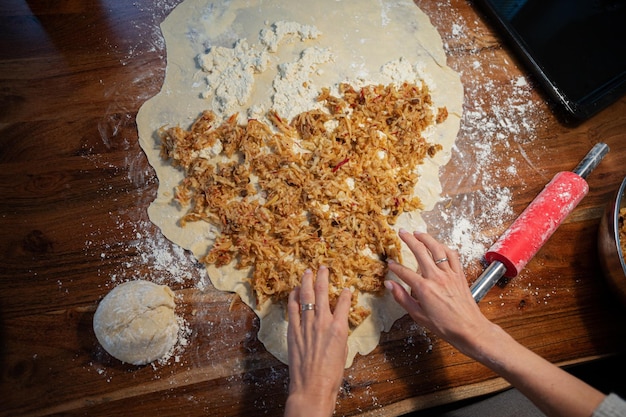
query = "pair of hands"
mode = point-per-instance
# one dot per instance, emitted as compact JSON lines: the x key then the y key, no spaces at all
{"x":440,"y":300}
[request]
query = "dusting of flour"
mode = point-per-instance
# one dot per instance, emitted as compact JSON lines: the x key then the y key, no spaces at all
{"x":230,"y":76}
{"x":231,"y":72}
{"x":498,"y":118}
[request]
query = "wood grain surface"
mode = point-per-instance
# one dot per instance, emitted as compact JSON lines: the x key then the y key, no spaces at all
{"x":75,"y":187}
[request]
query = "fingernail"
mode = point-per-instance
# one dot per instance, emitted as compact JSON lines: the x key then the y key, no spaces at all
{"x":391,"y":261}
{"x":402,"y":231}
{"x":388,"y":285}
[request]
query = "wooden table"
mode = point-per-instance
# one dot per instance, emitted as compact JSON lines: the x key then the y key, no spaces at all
{"x":75,"y":186}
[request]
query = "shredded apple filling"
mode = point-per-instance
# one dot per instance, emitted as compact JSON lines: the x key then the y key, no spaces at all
{"x":323,"y":189}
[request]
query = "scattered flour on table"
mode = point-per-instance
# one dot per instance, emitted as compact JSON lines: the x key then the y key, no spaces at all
{"x":153,"y":258}
{"x":497,"y":119}
{"x":152,"y":39}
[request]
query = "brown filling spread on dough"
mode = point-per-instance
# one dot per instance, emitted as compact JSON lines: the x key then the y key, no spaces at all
{"x":323,"y":189}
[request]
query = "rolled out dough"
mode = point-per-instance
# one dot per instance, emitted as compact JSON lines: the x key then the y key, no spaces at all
{"x":360,"y":42}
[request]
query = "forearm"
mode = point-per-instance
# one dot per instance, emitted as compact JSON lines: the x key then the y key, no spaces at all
{"x":554,"y":391}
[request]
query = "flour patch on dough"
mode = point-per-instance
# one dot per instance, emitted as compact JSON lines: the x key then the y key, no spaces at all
{"x":294,"y":93}
{"x":230,"y":75}
{"x":281,"y":30}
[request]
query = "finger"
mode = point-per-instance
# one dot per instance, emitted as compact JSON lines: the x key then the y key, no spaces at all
{"x":343,"y":305}
{"x":294,"y":332}
{"x":403,"y":298}
{"x":453,"y":260}
{"x":407,"y":275}
{"x":438,"y":251}
{"x":420,"y":251}
{"x":321,"y":289}
{"x":293,"y":310}
{"x":307,"y":300}
{"x":307,"y":294}
{"x":340,"y":315}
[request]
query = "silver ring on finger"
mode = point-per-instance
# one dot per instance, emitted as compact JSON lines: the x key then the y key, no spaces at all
{"x":307,"y":306}
{"x":438,"y":261}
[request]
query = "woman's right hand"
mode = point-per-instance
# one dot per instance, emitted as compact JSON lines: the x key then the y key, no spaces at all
{"x":441,"y":301}
{"x":440,"y":298}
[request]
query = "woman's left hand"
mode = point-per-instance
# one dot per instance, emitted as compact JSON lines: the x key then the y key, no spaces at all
{"x":318,"y":346}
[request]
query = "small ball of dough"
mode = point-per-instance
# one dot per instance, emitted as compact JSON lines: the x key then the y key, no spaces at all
{"x":136,"y":323}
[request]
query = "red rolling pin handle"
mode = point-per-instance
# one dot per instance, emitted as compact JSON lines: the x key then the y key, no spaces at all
{"x":538,"y":222}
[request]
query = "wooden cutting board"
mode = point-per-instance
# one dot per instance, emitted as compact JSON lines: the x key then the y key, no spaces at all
{"x":75,"y":187}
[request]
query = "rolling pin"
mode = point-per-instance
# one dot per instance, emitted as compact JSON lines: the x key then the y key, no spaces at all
{"x":523,"y":239}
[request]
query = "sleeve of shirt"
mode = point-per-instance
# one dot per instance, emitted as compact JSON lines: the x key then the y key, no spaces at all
{"x":611,"y":406}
